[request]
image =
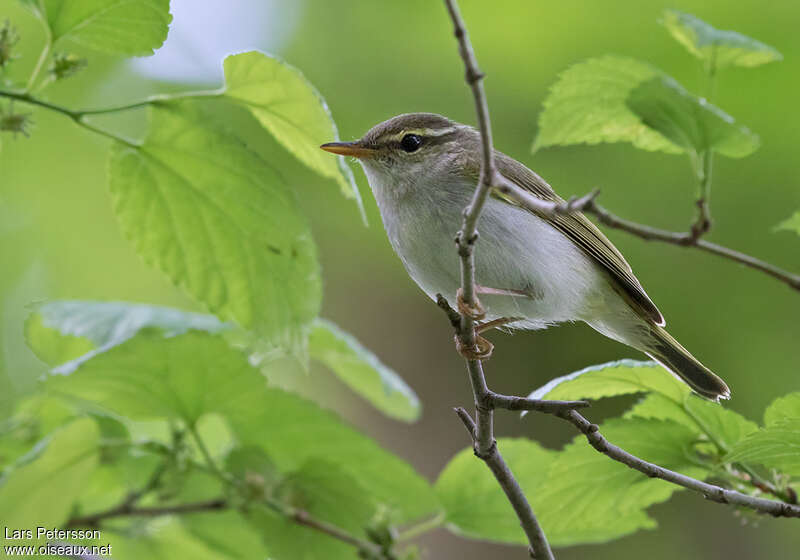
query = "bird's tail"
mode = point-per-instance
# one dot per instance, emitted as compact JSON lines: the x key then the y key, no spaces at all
{"x":669,"y":353}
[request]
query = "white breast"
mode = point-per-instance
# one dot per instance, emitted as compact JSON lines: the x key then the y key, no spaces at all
{"x":516,"y":250}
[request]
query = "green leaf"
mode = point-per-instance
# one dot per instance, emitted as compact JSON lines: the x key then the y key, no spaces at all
{"x":197,"y":373}
{"x":786,"y":407}
{"x":777,"y":446}
{"x":474,"y":504}
{"x":244,"y":462}
{"x":170,"y":539}
{"x":362,"y":371}
{"x":588,"y":106}
{"x":42,"y":491}
{"x":199,"y":205}
{"x":725,"y":427}
{"x":127,"y":27}
{"x":618,"y":99}
{"x":579,"y":495}
{"x":32,"y":420}
{"x":622,"y":377}
{"x":328,"y":494}
{"x":151,"y":377}
{"x":288,"y":106}
{"x":688,"y":121}
{"x":227,"y":533}
{"x":715,"y":46}
{"x":658,"y":407}
{"x":293,"y":431}
{"x":790,"y":224}
{"x":589,"y":498}
{"x":69,"y":332}
{"x":52,"y":347}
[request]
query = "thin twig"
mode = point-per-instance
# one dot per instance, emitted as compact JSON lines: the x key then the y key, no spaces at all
{"x":483,"y":432}
{"x":129,"y":510}
{"x":302,"y":517}
{"x":688,"y":240}
{"x":709,"y":491}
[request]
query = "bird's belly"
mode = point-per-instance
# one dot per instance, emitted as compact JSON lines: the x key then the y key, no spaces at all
{"x":516,"y":251}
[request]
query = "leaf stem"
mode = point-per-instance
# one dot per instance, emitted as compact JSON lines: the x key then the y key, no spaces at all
{"x":212,"y":465}
{"x":421,"y":528}
{"x":153,"y":100}
{"x":79,"y":116}
{"x":48,"y":44}
{"x":76,"y":116}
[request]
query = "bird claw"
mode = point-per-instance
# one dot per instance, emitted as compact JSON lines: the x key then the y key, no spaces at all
{"x":481,"y":351}
{"x":475,"y":311}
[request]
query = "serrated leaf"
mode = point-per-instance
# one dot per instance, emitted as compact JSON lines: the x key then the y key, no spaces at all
{"x":786,"y":407}
{"x":587,"y":105}
{"x":152,"y":377}
{"x":621,"y":377}
{"x":362,"y":371}
{"x":667,"y":398}
{"x":790,"y":224}
{"x":658,"y":407}
{"x":289,"y":107}
{"x":326,"y":493}
{"x":720,"y":47}
{"x":619,"y":99}
{"x":128,"y":27}
{"x":688,"y":121}
{"x":474,"y":504}
{"x":589,"y":498}
{"x":579,"y":495}
{"x":210,"y":213}
{"x":42,"y":491}
{"x":723,"y":425}
{"x":293,"y":431}
{"x":197,"y":373}
{"x":777,"y":446}
{"x":69,"y":332}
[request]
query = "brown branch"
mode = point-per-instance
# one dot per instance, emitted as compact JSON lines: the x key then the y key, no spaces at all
{"x":302,"y":517}
{"x":690,"y":239}
{"x":126,"y":509}
{"x":483,"y":433}
{"x":709,"y":491}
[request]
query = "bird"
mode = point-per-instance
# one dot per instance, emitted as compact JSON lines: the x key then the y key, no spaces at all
{"x":532,"y":270}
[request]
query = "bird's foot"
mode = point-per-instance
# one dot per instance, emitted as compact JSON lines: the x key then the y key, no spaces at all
{"x":475,"y":311}
{"x":495,"y":323}
{"x":482,"y":350}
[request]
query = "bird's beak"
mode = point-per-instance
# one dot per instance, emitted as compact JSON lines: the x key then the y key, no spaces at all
{"x":354,"y":149}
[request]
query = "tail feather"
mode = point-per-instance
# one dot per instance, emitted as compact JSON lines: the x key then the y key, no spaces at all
{"x":669,"y":353}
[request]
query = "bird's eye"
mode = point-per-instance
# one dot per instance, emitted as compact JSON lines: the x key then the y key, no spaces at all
{"x":411,"y":142}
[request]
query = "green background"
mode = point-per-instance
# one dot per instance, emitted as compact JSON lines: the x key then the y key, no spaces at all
{"x":374,"y":59}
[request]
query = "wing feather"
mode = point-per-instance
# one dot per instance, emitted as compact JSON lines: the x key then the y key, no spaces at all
{"x":581,"y":231}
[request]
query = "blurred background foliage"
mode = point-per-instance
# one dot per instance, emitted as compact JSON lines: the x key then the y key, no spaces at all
{"x":372,"y":60}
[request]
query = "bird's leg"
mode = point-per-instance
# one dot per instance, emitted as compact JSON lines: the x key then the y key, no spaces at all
{"x":481,"y":351}
{"x":475,"y":311}
{"x":483,"y":348}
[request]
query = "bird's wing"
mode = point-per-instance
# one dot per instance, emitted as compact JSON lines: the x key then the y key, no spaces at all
{"x":581,"y":231}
